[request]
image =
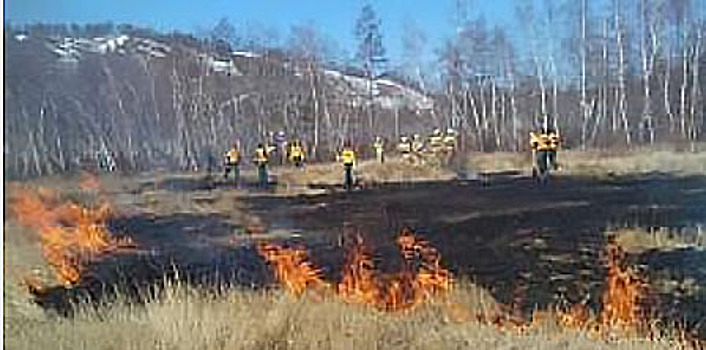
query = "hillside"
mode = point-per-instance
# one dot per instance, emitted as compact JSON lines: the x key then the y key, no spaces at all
{"x":157,"y":100}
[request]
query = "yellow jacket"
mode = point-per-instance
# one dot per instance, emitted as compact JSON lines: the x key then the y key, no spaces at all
{"x":347,"y":156}
{"x":544,"y":141}
{"x":295,"y":152}
{"x":261,"y":157}
{"x":232,"y":156}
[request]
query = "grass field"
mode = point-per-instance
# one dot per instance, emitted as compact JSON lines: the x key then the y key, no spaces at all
{"x":596,"y":163}
{"x":186,"y":317}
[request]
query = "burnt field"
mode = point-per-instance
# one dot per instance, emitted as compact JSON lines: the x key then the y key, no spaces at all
{"x":530,"y":246}
{"x":524,"y":243}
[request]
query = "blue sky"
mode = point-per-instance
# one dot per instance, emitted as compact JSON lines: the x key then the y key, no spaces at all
{"x":334,"y":17}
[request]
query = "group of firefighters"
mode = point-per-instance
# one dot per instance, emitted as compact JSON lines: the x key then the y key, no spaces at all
{"x":440,"y":146}
{"x":411,"y":149}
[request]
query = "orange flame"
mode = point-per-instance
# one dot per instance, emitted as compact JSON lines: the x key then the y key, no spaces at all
{"x":291,"y":267}
{"x":625,"y":296}
{"x":358,"y":284}
{"x":361,"y":282}
{"x":625,"y":304}
{"x":576,"y":316}
{"x":71,"y":235}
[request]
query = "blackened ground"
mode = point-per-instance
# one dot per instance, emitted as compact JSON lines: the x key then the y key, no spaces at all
{"x":520,"y":240}
{"x":525,"y":243}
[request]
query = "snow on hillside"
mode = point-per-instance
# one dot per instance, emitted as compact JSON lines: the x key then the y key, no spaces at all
{"x":387,"y":93}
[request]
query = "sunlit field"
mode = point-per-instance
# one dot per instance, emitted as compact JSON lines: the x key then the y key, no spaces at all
{"x":109,"y":262}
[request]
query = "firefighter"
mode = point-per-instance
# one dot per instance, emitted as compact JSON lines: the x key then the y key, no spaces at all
{"x":450,"y":140}
{"x":417,"y":148}
{"x":231,"y":162}
{"x":436,"y":142}
{"x":544,"y":144}
{"x":405,"y":148}
{"x":261,"y":158}
{"x":348,"y":160}
{"x":379,"y":147}
{"x":296,"y":154}
{"x":449,"y":144}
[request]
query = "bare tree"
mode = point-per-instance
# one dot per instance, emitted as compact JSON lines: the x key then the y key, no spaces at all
{"x":370,"y":54}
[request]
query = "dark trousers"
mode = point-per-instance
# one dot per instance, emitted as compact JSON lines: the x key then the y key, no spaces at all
{"x":234,"y":169}
{"x":545,"y":161}
{"x":348,"y":179}
{"x":262,"y":175}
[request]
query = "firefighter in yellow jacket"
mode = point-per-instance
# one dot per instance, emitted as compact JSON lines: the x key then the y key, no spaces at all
{"x":296,"y":154}
{"x":544,"y":144}
{"x":261,"y":158}
{"x":450,"y":145}
{"x":231,"y":163}
{"x":405,"y":148}
{"x":436,"y":142}
{"x":348,"y":159}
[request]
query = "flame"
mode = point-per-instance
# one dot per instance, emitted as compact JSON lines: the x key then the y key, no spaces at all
{"x":361,"y":282}
{"x":358,"y":284}
{"x":624,"y":299}
{"x":291,"y":267}
{"x":71,"y":235}
{"x":577,"y":316}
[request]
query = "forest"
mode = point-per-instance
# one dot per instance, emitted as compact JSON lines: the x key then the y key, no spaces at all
{"x":613,"y":74}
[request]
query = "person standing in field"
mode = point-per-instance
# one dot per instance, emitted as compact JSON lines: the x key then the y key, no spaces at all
{"x":545,"y":145}
{"x":231,"y":163}
{"x":379,"y":148}
{"x":405,"y":149}
{"x":348,"y":160}
{"x":296,"y":153}
{"x":261,"y":158}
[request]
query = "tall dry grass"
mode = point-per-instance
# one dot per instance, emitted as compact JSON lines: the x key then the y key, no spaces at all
{"x":187,"y":318}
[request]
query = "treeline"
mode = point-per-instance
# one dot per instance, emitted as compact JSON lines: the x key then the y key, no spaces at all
{"x":171,"y":112}
{"x":611,"y":74}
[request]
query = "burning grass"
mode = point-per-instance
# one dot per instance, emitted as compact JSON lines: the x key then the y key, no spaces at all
{"x":625,"y":311}
{"x":626,"y":306}
{"x":421,"y":277}
{"x":71,"y":234}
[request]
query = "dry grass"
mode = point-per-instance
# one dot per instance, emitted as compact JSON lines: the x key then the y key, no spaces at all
{"x":595,"y":163}
{"x":186,"y":318}
{"x":367,"y":172}
{"x":637,"y":240}
{"x":587,"y":163}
